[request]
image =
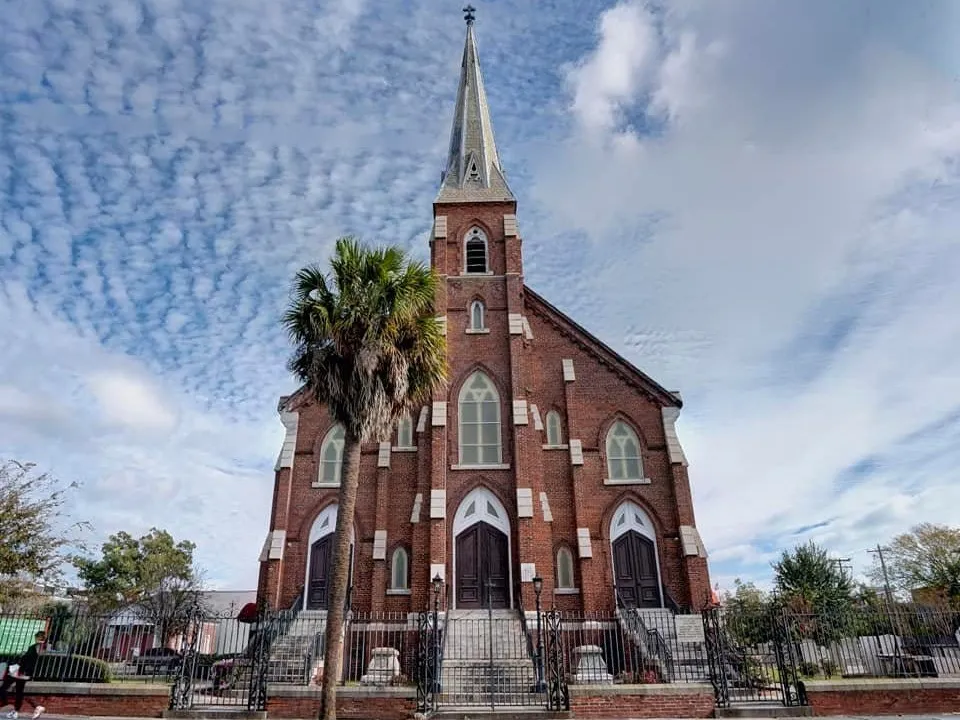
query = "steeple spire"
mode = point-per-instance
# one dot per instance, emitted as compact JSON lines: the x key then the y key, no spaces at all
{"x":473,"y":172}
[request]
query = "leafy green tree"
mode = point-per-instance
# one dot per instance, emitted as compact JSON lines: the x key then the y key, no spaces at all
{"x":927,"y":557}
{"x":153,"y":574}
{"x":367,"y":344}
{"x":35,"y":529}
{"x":809,"y":581}
{"x":747,"y":614}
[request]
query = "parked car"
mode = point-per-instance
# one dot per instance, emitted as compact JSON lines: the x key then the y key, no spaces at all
{"x":158,"y":661}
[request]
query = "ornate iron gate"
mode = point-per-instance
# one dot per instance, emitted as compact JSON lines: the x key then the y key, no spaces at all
{"x":223,"y":662}
{"x":751,"y":657}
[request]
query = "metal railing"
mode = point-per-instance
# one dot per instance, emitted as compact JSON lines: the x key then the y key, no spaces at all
{"x":629,"y":647}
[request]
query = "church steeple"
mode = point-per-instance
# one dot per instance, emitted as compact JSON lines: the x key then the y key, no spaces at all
{"x":473,"y":172}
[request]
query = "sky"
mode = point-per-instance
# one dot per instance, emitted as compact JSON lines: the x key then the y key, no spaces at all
{"x":756,"y":203}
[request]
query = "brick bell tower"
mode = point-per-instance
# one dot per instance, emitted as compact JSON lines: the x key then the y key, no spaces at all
{"x":476,"y":249}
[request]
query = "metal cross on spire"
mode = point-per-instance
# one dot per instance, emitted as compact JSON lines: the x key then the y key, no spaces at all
{"x":468,"y":14}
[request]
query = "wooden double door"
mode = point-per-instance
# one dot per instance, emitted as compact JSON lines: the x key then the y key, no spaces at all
{"x":635,"y":569}
{"x":483,"y":568}
{"x":321,"y":571}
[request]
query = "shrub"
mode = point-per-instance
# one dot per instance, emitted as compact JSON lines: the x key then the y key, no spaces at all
{"x":809,"y":669}
{"x":67,"y":668}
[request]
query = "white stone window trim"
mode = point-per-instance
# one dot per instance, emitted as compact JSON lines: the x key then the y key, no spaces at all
{"x":628,"y":481}
{"x":501,"y":521}
{"x":406,"y":449}
{"x":398,"y":591}
{"x":495,"y":466}
{"x":556,"y":447}
{"x":566,"y":591}
{"x":472,"y":234}
{"x":478,"y":331}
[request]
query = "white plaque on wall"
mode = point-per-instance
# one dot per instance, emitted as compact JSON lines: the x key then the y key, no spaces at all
{"x":528,"y":571}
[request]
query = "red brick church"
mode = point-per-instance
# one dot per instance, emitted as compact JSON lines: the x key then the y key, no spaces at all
{"x":547,"y":454}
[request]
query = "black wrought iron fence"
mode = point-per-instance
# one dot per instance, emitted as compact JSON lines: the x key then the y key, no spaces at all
{"x":632,"y":646}
{"x":882,"y":641}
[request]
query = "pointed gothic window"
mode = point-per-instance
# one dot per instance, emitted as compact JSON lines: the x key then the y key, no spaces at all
{"x":331,"y":456}
{"x":554,"y":433}
{"x":400,"y":570}
{"x":405,"y":432}
{"x":623,"y":453}
{"x":477,"y":313}
{"x":479,"y":422}
{"x":476,"y":251}
{"x":564,"y":569}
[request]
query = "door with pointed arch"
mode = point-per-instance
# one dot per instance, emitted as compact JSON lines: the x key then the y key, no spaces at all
{"x":320,"y":561}
{"x":636,"y":569}
{"x":482,"y":572}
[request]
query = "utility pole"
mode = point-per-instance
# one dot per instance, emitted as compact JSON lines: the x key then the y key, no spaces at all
{"x":883,"y":568}
{"x":841,"y":562}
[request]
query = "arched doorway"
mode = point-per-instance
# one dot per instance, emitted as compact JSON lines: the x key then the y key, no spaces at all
{"x":483,"y":575}
{"x":316,"y":593}
{"x":636,"y":568}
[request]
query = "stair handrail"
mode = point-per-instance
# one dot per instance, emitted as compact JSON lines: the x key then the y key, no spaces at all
{"x":523,"y":625}
{"x":651,"y":639}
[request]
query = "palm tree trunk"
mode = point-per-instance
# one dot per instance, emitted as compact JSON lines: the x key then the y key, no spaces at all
{"x":333,"y":655}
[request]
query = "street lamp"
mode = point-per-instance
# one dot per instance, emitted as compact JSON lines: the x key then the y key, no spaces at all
{"x":437,"y":589}
{"x":541,"y":686}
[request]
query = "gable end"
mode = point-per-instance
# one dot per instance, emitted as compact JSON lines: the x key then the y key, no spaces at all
{"x":599,"y":350}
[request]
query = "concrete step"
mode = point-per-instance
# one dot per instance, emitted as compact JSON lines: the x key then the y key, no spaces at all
{"x":763,"y":710}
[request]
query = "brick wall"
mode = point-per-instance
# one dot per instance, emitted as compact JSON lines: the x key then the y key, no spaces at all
{"x":522,"y":369}
{"x":100,"y":699}
{"x":359,"y":703}
{"x":884,"y":697}
{"x":642,"y":701}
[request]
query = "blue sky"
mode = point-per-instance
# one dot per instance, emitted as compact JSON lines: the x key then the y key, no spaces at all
{"x":756,"y":202}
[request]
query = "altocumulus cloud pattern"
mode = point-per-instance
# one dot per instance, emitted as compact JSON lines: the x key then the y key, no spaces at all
{"x":755,"y":202}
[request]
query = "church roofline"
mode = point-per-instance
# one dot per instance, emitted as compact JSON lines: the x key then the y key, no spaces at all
{"x":600,"y":349}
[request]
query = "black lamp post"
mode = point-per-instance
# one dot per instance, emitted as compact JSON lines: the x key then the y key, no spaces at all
{"x":437,"y":589}
{"x":541,"y":686}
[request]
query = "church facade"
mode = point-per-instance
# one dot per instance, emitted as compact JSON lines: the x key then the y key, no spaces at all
{"x":547,"y":454}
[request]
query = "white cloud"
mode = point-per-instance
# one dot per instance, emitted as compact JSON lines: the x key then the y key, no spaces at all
{"x":131,"y":402}
{"x":618,"y":69}
{"x":755,"y":201}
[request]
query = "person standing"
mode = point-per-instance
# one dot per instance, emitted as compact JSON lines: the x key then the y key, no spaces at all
{"x":18,"y":674}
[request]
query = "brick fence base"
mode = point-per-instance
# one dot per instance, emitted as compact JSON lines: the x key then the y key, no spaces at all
{"x":353,"y":703}
{"x":884,"y":697}
{"x":100,"y":699}
{"x":844,"y":697}
{"x":642,"y":701}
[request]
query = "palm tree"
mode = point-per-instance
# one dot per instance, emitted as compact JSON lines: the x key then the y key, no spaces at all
{"x":367,"y":344}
